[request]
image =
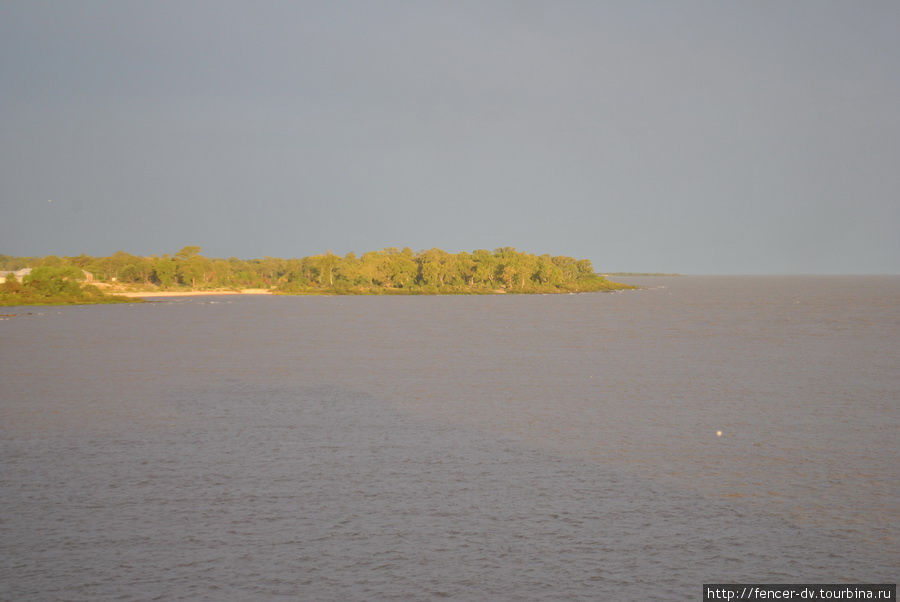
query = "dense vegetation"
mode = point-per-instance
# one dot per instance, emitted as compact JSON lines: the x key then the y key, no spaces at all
{"x":390,"y":271}
{"x":53,"y":285}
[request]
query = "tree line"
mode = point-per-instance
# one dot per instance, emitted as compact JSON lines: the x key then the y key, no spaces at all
{"x":387,"y":271}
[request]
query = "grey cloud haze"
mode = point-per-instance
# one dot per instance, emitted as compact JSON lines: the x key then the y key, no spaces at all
{"x":700,"y":137}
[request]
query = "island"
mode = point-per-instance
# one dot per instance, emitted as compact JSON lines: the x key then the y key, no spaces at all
{"x":122,"y":277}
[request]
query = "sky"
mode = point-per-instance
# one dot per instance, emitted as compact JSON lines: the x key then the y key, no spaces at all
{"x":707,"y":137}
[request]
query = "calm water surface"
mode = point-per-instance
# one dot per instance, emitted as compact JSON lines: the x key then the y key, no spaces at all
{"x":503,"y":447}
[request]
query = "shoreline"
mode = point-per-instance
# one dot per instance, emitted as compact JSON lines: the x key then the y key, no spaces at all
{"x":329,"y":293}
{"x":245,"y":291}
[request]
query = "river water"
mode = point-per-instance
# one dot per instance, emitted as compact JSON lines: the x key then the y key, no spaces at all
{"x":602,"y":446}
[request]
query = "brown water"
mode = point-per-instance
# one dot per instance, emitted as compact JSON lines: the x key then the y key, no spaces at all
{"x":503,"y":447}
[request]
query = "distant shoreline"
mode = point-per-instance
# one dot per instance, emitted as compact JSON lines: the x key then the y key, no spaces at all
{"x":621,"y":274}
{"x":245,"y":291}
{"x":328,"y":293}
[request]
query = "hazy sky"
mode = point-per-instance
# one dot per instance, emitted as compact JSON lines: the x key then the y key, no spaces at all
{"x":699,"y":137}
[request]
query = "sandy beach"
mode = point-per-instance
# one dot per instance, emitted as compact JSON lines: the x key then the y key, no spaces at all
{"x":246,"y":291}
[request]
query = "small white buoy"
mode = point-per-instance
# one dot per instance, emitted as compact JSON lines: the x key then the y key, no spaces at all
{"x":718,"y":433}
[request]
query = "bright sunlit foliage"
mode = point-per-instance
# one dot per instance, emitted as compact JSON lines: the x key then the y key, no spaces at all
{"x":389,"y":271}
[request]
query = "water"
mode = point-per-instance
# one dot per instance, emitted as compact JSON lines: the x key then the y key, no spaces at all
{"x":503,"y":447}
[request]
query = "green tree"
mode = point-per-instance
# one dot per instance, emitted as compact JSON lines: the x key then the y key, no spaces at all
{"x":12,"y":285}
{"x":485,"y":269}
{"x":547,"y":272}
{"x":164,"y":271}
{"x":349,"y":269}
{"x":434,"y":267}
{"x":55,"y":281}
{"x":188,"y":252}
{"x":323,"y":268}
{"x":191,"y":270}
{"x":401,"y":268}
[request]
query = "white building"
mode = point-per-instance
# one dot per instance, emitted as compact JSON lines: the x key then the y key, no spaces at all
{"x":17,"y":274}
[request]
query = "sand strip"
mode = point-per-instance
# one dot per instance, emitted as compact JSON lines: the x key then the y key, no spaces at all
{"x":245,"y":291}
